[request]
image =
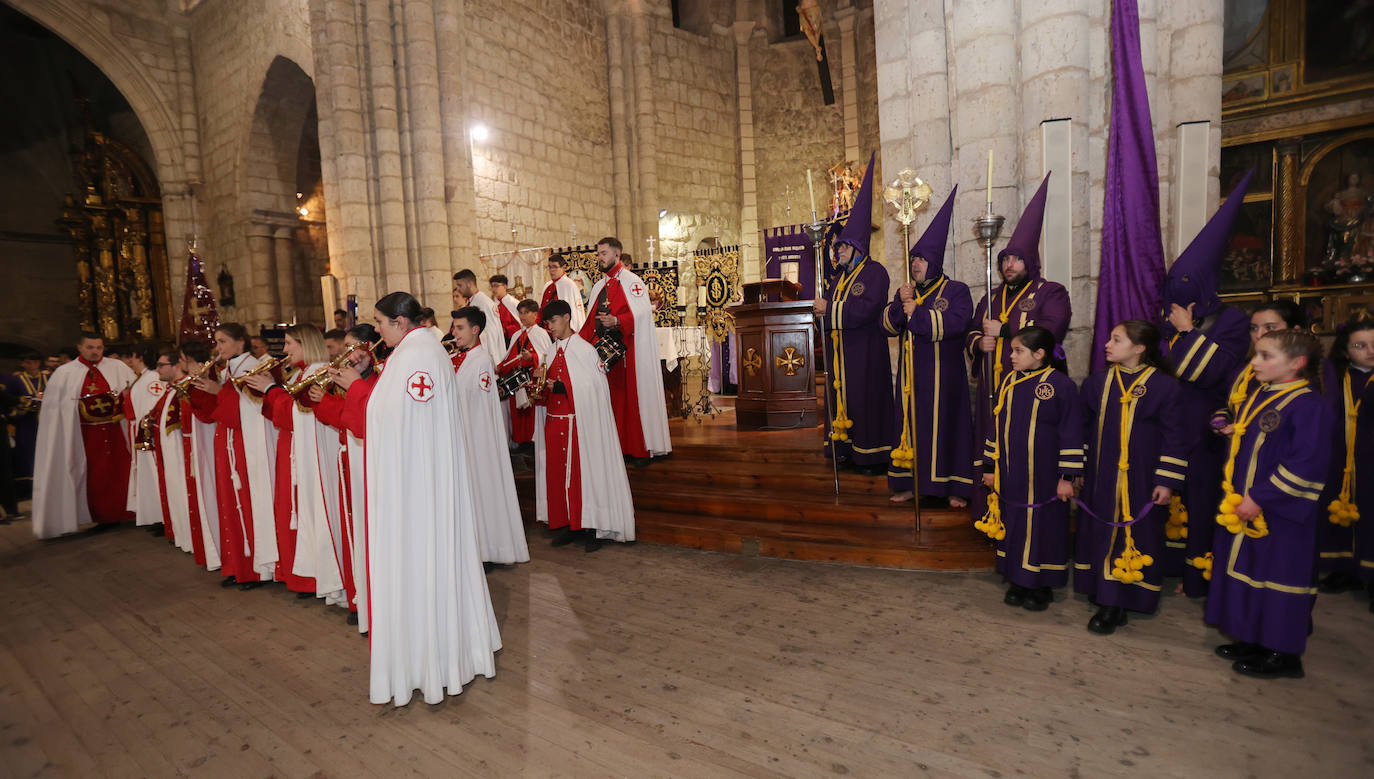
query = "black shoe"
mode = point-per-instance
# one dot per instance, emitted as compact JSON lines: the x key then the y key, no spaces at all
{"x":873,"y":470}
{"x":1271,"y":665}
{"x":1107,"y":620}
{"x":352,"y":617}
{"x":565,"y":536}
{"x":640,"y":462}
{"x":101,"y":527}
{"x":250,"y":585}
{"x":1338,"y":581}
{"x":227,"y":581}
{"x":593,"y":543}
{"x":1239,"y":651}
{"x":1038,"y":599}
{"x":1016,"y":595}
{"x":154,"y":530}
{"x":304,"y":595}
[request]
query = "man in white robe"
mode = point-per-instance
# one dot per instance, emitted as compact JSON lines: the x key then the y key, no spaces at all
{"x":527,"y":349}
{"x":145,"y":497}
{"x":200,"y":462}
{"x":431,"y":622}
{"x":561,"y":287}
{"x":493,"y":339}
{"x":507,"y":307}
{"x":500,"y":531}
{"x":82,"y":458}
{"x":580,"y":483}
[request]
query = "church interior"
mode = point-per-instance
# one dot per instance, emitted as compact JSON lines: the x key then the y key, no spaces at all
{"x":777,"y":616}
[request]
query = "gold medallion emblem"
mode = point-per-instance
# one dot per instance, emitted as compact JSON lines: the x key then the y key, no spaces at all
{"x":1044,"y":391}
{"x":857,"y":288}
{"x":1138,"y":391}
{"x":1027,"y":305}
{"x":940,"y":304}
{"x":1269,"y":421}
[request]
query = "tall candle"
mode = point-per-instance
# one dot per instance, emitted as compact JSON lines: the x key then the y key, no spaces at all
{"x":989,"y":177}
{"x":812,"y":191}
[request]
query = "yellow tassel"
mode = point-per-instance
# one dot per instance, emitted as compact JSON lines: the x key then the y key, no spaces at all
{"x":1204,"y":564}
{"x":1176,"y":528}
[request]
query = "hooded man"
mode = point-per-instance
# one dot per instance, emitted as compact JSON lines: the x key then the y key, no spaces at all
{"x":1207,"y":344}
{"x":858,"y":391}
{"x":931,"y":314}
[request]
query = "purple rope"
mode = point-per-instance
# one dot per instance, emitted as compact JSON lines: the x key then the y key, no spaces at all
{"x":1141,"y":514}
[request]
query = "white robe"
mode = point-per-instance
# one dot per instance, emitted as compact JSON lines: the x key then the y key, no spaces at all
{"x":653,"y":411}
{"x":170,"y":445}
{"x":59,"y":468}
{"x":315,"y":508}
{"x":606,"y":502}
{"x":500,"y":531}
{"x":493,"y":337}
{"x":203,"y":466}
{"x":144,"y":498}
{"x":567,"y":291}
{"x":432,"y":625}
{"x":260,"y":448}
{"x":513,"y":306}
{"x":357,"y":504}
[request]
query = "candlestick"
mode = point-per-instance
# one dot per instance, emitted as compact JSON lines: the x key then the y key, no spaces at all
{"x":812,"y":191}
{"x":989,"y":177}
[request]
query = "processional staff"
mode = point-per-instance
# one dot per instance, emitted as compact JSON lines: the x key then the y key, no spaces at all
{"x":987,"y":227}
{"x":816,"y":232}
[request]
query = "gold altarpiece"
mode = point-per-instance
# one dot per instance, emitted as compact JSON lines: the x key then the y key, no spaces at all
{"x":1306,"y":230}
{"x":115,"y":223}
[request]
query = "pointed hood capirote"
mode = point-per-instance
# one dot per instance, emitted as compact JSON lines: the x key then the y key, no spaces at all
{"x":1195,"y":275}
{"x":1025,"y":239}
{"x":858,"y":231}
{"x":931,"y":245}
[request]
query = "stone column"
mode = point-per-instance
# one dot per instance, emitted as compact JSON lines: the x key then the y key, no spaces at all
{"x":427,"y":150}
{"x":1194,"y":95}
{"x":849,"y":85}
{"x":645,"y":119}
{"x":620,"y":123}
{"x":283,"y":255}
{"x":1288,"y":238}
{"x":382,"y":124}
{"x":752,"y":269}
{"x":259,"y":283}
{"x":460,"y":195}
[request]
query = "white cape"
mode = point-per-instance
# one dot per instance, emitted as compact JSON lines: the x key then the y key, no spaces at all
{"x":540,"y":342}
{"x":59,"y":468}
{"x":202,"y":443}
{"x":493,"y":337}
{"x":357,"y":539}
{"x":500,"y":531}
{"x":315,"y":510}
{"x":260,"y":449}
{"x":144,"y":499}
{"x":171,"y":447}
{"x":606,"y":503}
{"x":567,"y":291}
{"x":431,"y":622}
{"x":653,"y":409}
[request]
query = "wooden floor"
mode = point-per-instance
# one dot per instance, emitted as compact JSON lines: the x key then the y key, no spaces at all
{"x":118,"y":657}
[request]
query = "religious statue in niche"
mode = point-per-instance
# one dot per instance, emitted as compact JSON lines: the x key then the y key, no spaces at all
{"x":226,"y":288}
{"x":1349,"y":249}
{"x":846,"y":182}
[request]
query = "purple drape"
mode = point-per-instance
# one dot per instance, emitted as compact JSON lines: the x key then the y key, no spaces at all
{"x":790,"y":244}
{"x":1132,"y":273}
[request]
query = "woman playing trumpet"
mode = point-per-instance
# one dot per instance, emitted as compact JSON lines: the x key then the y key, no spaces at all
{"x":306,"y":504}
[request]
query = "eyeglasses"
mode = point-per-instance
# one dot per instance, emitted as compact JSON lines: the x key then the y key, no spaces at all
{"x":164,"y":364}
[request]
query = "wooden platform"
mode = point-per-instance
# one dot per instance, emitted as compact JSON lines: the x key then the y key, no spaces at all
{"x":771,"y":493}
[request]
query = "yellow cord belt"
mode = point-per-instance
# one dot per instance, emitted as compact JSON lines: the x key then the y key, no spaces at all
{"x":1226,"y":516}
{"x":904,"y":456}
{"x":1003,"y":317}
{"x":991,"y":523}
{"x":1342,"y":510}
{"x":1128,"y":568}
{"x":839,"y":427}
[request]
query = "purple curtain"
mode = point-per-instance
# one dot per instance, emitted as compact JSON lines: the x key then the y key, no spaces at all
{"x":1132,"y":274}
{"x":790,"y":244}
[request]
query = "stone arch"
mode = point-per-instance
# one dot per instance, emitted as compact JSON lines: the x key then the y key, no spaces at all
{"x":285,"y":104}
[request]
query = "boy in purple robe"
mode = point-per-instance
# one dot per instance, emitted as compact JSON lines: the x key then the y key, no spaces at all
{"x":931,"y":315}
{"x":858,"y":391}
{"x":1036,"y":449}
{"x":1264,"y":555}
{"x":1208,"y":342}
{"x":1022,"y":300}
{"x":1345,"y":530}
{"x":1129,"y":410}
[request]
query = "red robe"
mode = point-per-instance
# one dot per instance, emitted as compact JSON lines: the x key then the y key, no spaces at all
{"x":508,"y":321}
{"x":173,"y":422}
{"x":338,"y":411}
{"x":521,"y":419}
{"x":562,"y":465}
{"x":621,"y":378}
{"x":108,"y":459}
{"x":235,"y":502}
{"x":276,"y":406}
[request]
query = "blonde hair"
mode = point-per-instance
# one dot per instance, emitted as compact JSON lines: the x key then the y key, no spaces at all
{"x":312,"y":343}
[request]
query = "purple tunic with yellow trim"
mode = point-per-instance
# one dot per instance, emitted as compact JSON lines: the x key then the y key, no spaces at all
{"x":856,"y":300}
{"x":944,"y":426}
{"x":1263,"y":589}
{"x":1348,"y":550}
{"x":1205,"y":360}
{"x":1043,"y":303}
{"x":1156,"y":448}
{"x":1039,"y":438}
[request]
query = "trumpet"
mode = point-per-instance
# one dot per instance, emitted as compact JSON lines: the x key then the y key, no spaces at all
{"x":450,"y":346}
{"x":263,"y":367}
{"x":182,"y":386}
{"x":320,"y":376}
{"x":146,"y":433}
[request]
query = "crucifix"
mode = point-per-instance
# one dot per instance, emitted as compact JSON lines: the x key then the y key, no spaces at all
{"x":787,"y":201}
{"x":650,"y":241}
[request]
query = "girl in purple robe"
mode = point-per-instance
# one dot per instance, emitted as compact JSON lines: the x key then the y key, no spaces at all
{"x":1136,"y":454}
{"x":1268,"y":318}
{"x":1345,"y":535}
{"x":1264,"y":552}
{"x":1036,"y":449}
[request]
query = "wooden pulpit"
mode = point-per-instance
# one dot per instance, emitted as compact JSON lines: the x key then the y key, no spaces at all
{"x":777,"y":374}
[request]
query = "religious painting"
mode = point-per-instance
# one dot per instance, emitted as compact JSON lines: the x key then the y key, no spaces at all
{"x":1246,"y":265}
{"x":1242,"y":89}
{"x":1348,"y":306}
{"x":1340,"y":39}
{"x":1319,"y":310}
{"x":1245,"y":35}
{"x":1283,"y":79}
{"x":1339,"y":233}
{"x":1237,"y":160}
